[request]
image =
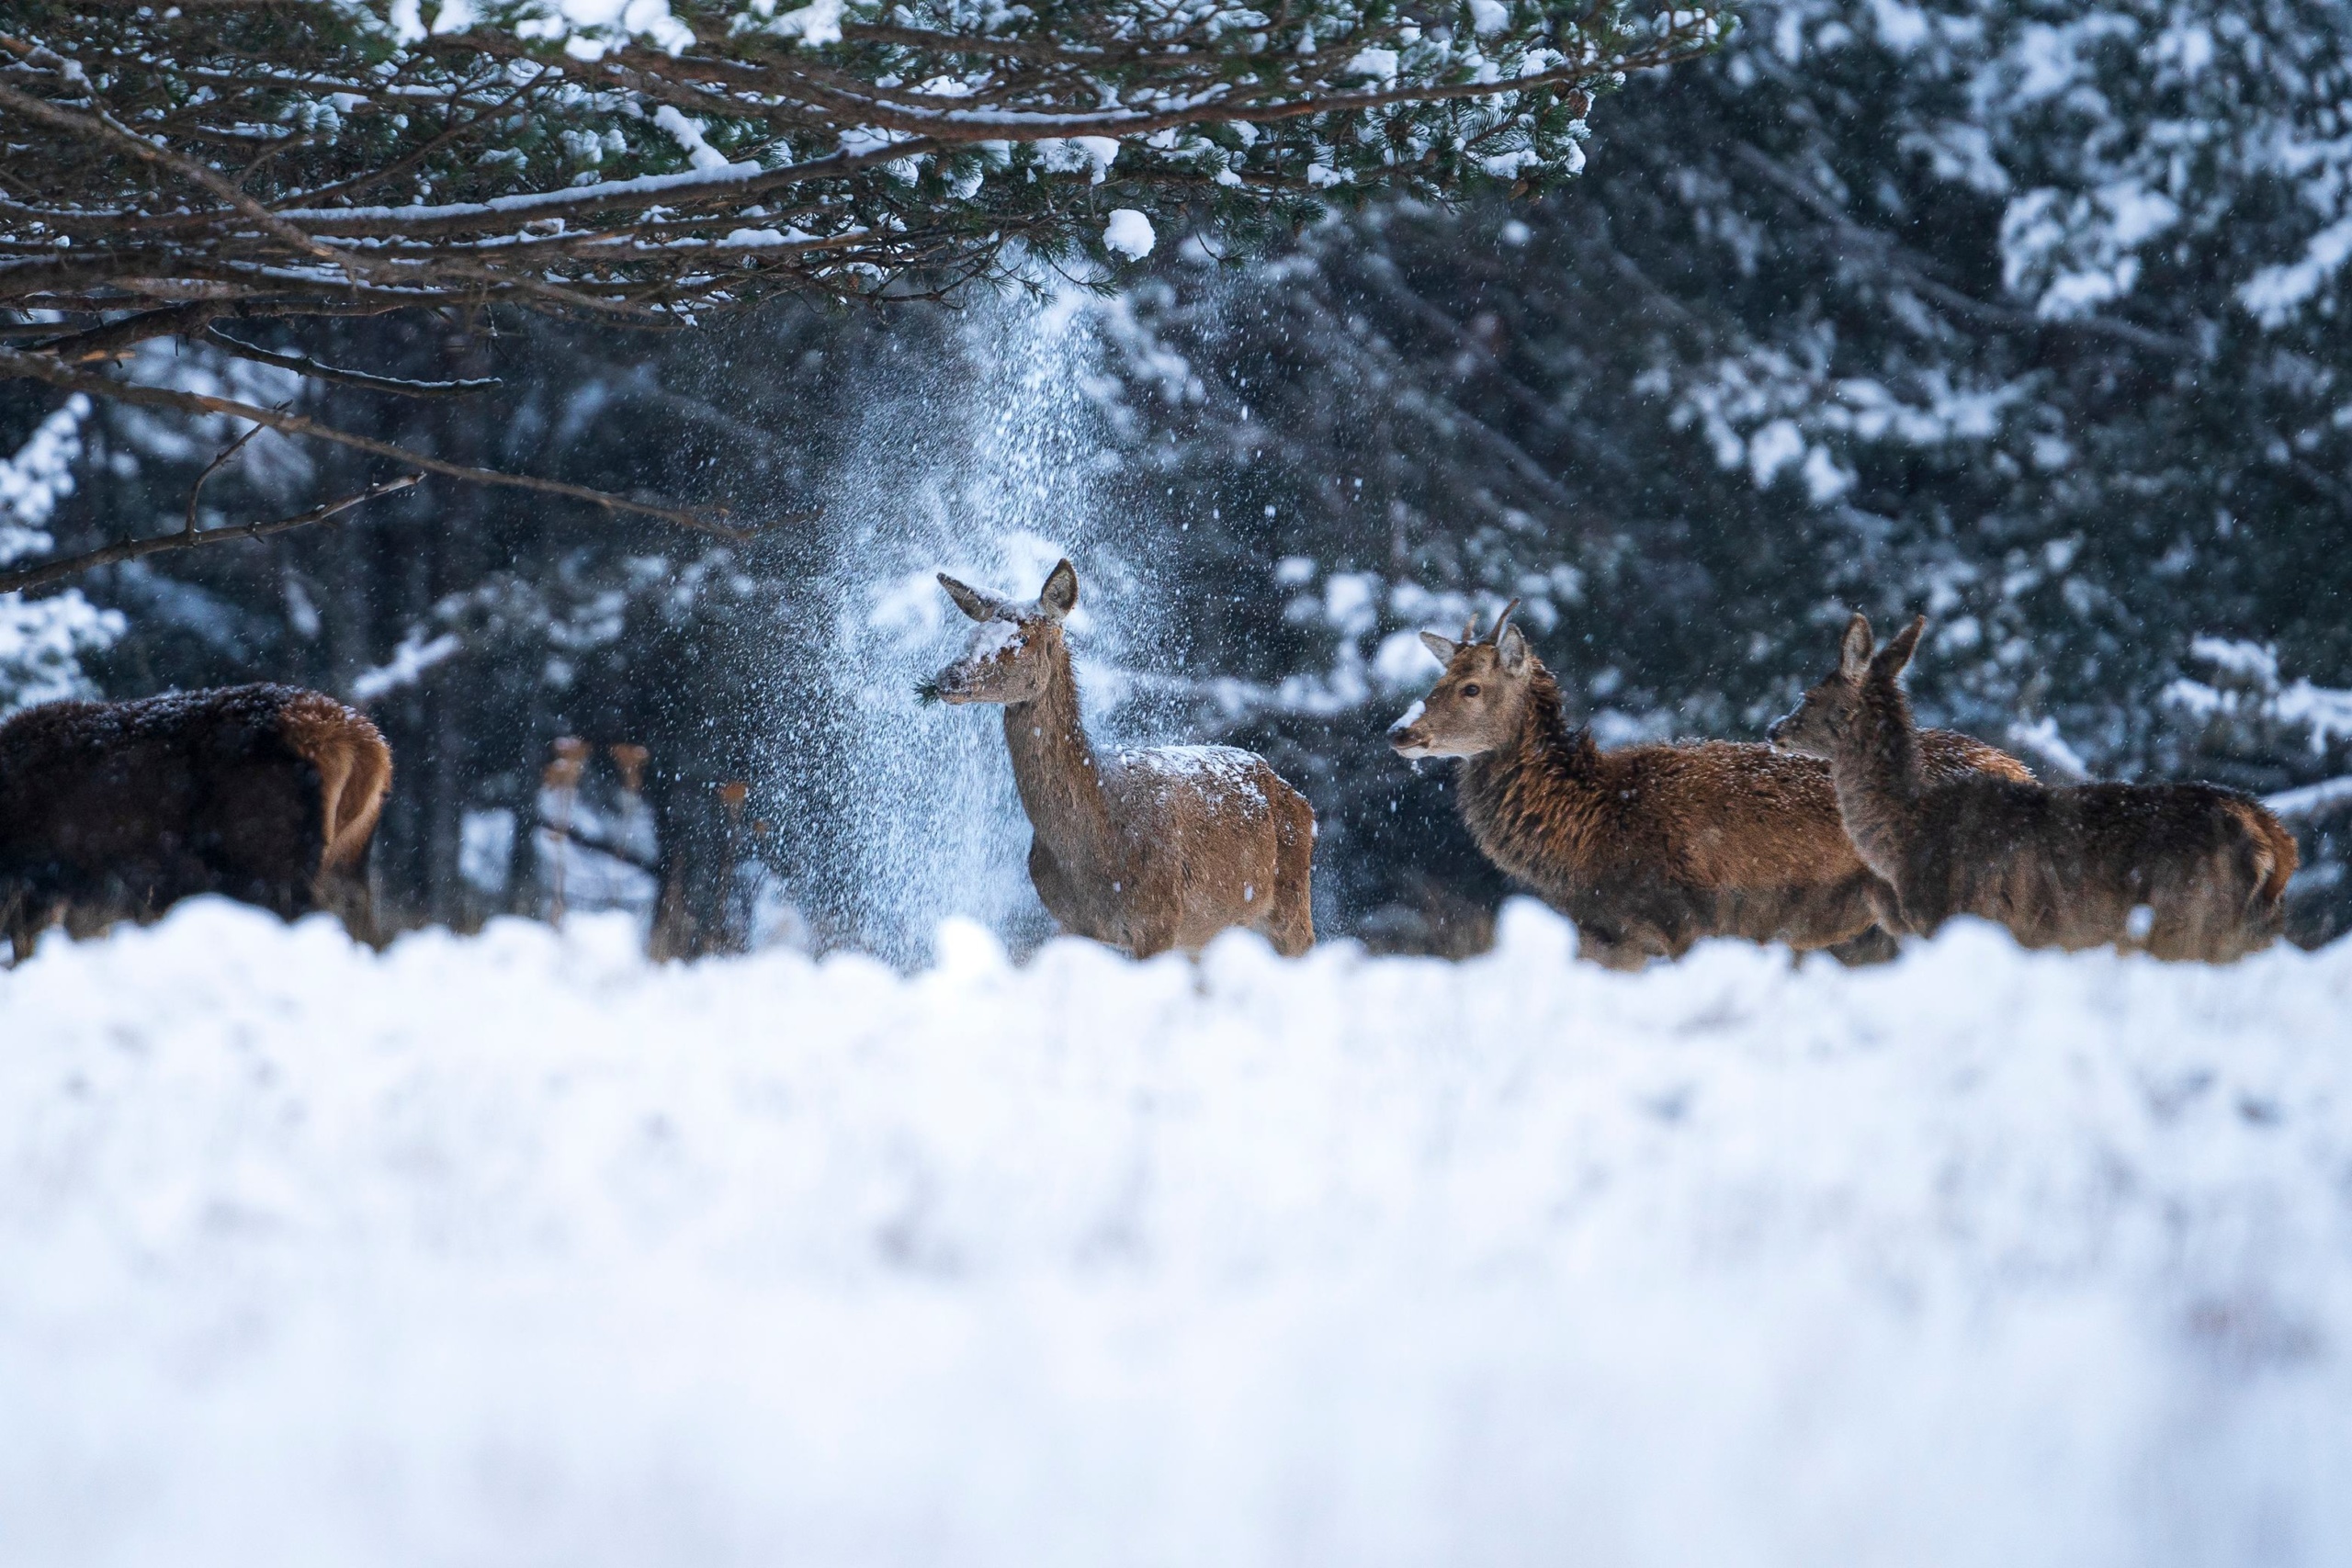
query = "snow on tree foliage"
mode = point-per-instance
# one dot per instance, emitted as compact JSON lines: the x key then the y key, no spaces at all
{"x":42,"y":641}
{"x":668,"y":158}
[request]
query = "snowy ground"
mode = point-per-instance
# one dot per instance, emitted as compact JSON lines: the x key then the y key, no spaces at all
{"x":518,"y":1251}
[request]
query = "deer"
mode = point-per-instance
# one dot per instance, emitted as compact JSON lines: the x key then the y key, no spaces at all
{"x":1646,"y":849}
{"x":2178,"y":871}
{"x":1145,"y":850}
{"x":109,"y":811}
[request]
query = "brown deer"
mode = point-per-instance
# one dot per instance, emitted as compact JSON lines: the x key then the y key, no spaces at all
{"x":115,"y":811}
{"x":1144,"y":850}
{"x":1649,"y":848}
{"x":2182,"y":871}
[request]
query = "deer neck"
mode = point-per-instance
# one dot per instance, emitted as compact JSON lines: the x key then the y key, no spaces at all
{"x":1878,"y":775}
{"x":1055,"y":768}
{"x":1532,"y":797}
{"x":1540,"y":744}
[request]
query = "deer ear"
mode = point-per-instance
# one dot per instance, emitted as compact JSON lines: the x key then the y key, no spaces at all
{"x":1854,"y":652}
{"x":971,"y":600}
{"x":1899,"y":650}
{"x":1510,"y":649}
{"x":1444,"y":648}
{"x":1059,"y":596}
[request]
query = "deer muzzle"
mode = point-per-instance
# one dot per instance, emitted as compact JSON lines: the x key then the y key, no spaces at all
{"x":1406,"y":737}
{"x":949,"y":685}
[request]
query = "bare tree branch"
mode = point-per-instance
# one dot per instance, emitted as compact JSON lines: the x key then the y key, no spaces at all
{"x":196,"y":490}
{"x":47,"y":572}
{"x":34,"y":366}
{"x":117,"y":337}
{"x":602,"y":846}
{"x":303,"y":365}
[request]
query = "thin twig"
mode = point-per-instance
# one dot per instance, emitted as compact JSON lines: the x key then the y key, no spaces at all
{"x":601,"y":846}
{"x":132,"y":549}
{"x":14,"y":364}
{"x":303,"y":365}
{"x":195,"y":492}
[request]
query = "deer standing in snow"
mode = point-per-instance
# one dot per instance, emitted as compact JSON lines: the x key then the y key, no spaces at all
{"x":1143,"y":850}
{"x":2183,"y":871}
{"x":117,"y":810}
{"x":1649,"y":848}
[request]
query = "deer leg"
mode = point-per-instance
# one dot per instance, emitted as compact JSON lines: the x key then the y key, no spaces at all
{"x":343,"y":892}
{"x":23,"y":920}
{"x":1292,"y":926}
{"x":1887,"y":909}
{"x":1053,"y":889}
{"x":1610,"y":949}
{"x":1874,"y":945}
{"x":1149,"y":942}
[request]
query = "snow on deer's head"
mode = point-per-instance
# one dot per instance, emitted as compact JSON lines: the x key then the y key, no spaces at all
{"x":1476,"y":705}
{"x":1817,"y":723}
{"x":1015,"y":647}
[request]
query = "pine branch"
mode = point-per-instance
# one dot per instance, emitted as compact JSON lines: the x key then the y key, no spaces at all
{"x":103,"y":127}
{"x":895,"y":161}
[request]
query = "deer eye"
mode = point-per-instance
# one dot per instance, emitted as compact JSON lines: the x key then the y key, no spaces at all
{"x":1471,"y":690}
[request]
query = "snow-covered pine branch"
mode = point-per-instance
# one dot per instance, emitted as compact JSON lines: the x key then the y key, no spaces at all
{"x":292,"y":156}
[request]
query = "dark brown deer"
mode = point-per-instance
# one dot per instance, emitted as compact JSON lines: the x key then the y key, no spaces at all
{"x":1144,"y":850}
{"x":113,"y":811}
{"x":2182,"y":871}
{"x":1649,"y":848}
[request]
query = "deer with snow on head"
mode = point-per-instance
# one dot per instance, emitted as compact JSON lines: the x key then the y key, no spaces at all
{"x":2181,"y":871}
{"x":1145,"y":850}
{"x":1649,"y":848}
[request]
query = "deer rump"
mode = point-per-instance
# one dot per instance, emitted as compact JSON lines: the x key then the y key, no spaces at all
{"x":1650,"y":848}
{"x":265,"y":794}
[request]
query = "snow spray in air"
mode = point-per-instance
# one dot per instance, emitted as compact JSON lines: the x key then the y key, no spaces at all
{"x":984,"y":464}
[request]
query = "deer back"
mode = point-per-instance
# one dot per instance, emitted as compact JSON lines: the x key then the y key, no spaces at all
{"x":109,"y":810}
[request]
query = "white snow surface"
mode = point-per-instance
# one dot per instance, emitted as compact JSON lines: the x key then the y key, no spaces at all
{"x":518,"y":1249}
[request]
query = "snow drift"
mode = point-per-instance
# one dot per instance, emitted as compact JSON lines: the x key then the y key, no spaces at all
{"x":519,"y":1250}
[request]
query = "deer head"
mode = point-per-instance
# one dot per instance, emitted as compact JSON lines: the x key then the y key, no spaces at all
{"x":1474,"y":708}
{"x":1015,"y":647}
{"x":1817,"y":723}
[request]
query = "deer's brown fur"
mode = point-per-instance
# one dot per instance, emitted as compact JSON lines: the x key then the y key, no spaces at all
{"x":1145,"y":850}
{"x":115,"y":811}
{"x":2181,"y":871}
{"x":1649,"y":848}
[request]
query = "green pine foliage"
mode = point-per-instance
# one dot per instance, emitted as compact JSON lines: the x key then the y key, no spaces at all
{"x":299,"y":157}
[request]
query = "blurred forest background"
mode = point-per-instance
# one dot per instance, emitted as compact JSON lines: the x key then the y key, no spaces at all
{"x":2031,"y":317}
